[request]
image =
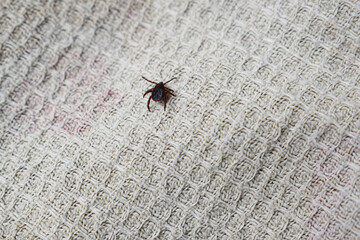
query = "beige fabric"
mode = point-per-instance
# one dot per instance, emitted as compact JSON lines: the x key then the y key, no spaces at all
{"x":260,"y":142}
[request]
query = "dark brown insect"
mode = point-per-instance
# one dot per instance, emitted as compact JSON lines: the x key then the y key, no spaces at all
{"x":159,"y":92}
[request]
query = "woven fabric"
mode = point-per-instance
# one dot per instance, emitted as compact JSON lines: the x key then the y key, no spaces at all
{"x":260,"y":142}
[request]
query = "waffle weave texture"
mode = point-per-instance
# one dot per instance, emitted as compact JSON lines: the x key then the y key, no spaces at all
{"x":262,"y":140}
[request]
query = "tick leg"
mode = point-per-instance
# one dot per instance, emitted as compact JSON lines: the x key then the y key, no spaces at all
{"x":164,"y":102}
{"x":168,"y":89}
{"x":149,"y":103}
{"x":148,"y":91}
{"x":170,"y":80}
{"x":148,"y":80}
{"x":172,"y":94}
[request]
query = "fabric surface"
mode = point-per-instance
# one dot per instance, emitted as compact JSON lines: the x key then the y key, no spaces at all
{"x":260,"y":142}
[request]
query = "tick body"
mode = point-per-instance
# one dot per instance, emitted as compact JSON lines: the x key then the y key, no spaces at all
{"x":159,"y":92}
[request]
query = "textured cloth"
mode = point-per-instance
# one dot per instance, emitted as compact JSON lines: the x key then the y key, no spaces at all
{"x":260,"y":142}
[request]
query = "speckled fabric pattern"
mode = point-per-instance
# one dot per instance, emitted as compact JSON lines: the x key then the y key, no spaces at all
{"x":262,"y":140}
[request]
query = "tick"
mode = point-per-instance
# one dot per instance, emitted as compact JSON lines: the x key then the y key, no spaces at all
{"x":159,"y":92}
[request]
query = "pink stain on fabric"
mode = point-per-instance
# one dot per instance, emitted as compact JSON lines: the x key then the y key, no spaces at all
{"x":330,"y":187}
{"x":90,"y":94}
{"x":83,"y":93}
